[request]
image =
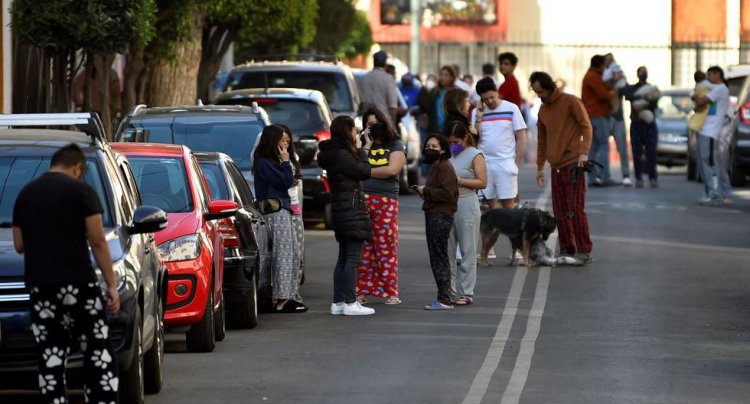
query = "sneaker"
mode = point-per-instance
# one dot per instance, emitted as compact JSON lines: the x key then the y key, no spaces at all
{"x":639,"y":183}
{"x":356,"y":309}
{"x":337,"y":309}
{"x":626,"y":182}
{"x":584,"y":258}
{"x":707,"y":201}
{"x":436,"y":305}
{"x":517,"y":256}
{"x":567,"y":260}
{"x":654,"y":183}
{"x":492,"y":254}
{"x":596,"y":182}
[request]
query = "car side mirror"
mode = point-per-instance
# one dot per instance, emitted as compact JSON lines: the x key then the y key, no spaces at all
{"x":221,"y":209}
{"x":148,"y":219}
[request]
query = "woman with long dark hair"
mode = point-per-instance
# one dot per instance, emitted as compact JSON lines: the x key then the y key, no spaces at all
{"x":431,"y":100}
{"x":440,"y":195}
{"x":274,"y":176}
{"x":456,"y":105}
{"x":346,"y":163}
{"x":377,"y":274}
{"x":471,"y":172}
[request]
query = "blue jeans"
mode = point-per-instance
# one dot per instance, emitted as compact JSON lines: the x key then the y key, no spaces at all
{"x":599,"y":151}
{"x":707,"y":166}
{"x":618,"y":132}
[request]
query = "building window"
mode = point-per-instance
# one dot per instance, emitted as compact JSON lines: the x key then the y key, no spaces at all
{"x":440,"y":12}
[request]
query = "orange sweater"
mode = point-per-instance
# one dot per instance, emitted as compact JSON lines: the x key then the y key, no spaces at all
{"x":564,"y":131}
{"x":596,"y":95}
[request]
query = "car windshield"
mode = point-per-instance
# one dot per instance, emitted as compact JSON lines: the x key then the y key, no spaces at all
{"x":215,"y":179}
{"x":163,"y":183}
{"x":333,"y":85}
{"x":671,"y":106}
{"x":16,"y":172}
{"x":302,"y":117}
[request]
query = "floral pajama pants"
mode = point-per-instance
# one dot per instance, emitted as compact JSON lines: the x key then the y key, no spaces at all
{"x":64,"y":315}
{"x":377,"y":274}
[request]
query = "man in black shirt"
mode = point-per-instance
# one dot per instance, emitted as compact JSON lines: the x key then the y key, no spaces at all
{"x":53,"y":218}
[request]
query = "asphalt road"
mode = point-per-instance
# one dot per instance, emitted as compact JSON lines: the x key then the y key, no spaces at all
{"x":661,"y":316}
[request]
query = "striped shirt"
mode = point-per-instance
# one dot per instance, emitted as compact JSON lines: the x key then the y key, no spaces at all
{"x":497,"y":139}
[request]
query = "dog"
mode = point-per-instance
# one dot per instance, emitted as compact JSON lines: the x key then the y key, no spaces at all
{"x":521,"y":225}
{"x":542,"y":255}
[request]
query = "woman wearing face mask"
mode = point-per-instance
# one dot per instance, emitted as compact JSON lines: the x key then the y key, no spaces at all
{"x":346,"y":162}
{"x":431,"y":101}
{"x":471,"y":170}
{"x":274,"y":176}
{"x":377,"y":274}
{"x":440,"y":195}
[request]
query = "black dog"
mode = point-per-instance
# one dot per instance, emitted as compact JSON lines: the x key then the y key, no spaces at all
{"x":522,"y":226}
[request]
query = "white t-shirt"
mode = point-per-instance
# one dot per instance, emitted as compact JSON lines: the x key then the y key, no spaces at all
{"x":718,"y":108}
{"x":497,"y":139}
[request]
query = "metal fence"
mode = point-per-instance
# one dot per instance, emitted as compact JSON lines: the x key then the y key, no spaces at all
{"x":669,"y":65}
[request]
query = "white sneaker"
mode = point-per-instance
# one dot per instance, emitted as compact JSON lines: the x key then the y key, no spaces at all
{"x":626,"y":182}
{"x":518,"y":256}
{"x":356,"y":309}
{"x":337,"y":309}
{"x":492,"y":254}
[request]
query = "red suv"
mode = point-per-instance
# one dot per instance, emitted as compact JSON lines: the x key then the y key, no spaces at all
{"x":192,"y":246}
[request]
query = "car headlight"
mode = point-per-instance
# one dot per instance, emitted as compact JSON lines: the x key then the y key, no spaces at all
{"x":181,"y":248}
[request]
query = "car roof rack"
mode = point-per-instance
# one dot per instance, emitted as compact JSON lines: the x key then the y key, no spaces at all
{"x":87,"y":122}
{"x":306,"y":57}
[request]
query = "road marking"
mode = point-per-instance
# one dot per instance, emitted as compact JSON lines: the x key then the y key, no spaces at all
{"x":483,"y":377}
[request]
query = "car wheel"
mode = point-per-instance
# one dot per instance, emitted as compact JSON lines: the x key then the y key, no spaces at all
{"x":245,"y":314}
{"x":691,"y":170}
{"x":201,"y":336}
{"x":131,"y":381}
{"x":154,"y":358}
{"x":220,"y":321}
{"x":328,"y":216}
{"x":736,"y":174}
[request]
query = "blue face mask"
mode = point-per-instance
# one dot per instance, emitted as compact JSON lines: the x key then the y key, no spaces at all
{"x":456,"y":148}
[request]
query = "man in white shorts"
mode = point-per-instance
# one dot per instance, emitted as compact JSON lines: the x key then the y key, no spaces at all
{"x":502,"y":140}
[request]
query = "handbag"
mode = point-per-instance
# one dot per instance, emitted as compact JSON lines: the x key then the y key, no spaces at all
{"x":269,"y":205}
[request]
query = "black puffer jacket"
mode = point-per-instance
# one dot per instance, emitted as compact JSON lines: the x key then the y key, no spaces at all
{"x":351,"y":221}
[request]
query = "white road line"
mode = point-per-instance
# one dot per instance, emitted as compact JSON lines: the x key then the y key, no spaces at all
{"x":483,"y":377}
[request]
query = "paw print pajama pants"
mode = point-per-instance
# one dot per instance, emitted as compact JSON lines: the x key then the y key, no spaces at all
{"x":377,"y":274}
{"x":64,"y":317}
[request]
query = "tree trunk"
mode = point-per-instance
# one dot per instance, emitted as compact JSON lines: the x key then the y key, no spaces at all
{"x":60,"y":101}
{"x":29,"y":84}
{"x":174,"y":83}
{"x":134,"y":67}
{"x":216,"y":42}
{"x":103,"y":67}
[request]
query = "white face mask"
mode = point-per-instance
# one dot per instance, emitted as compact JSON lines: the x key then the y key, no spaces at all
{"x":429,"y":84}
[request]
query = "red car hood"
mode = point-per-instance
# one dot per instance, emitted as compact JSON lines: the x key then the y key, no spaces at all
{"x":178,"y":225}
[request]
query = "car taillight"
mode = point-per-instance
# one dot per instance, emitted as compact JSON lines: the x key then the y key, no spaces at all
{"x":744,"y":113}
{"x":323,"y":134}
{"x":326,"y":184}
{"x":229,"y":233}
{"x":266,"y":100}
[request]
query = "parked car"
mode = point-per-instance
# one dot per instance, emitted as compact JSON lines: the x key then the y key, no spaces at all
{"x":739,"y":146}
{"x":136,"y":332}
{"x":307,"y":114}
{"x":192,"y":245}
{"x":736,"y":77}
{"x":409,"y":131}
{"x":228,"y":129}
{"x":246,"y":253}
{"x":673,"y":109}
{"x":325,"y":74}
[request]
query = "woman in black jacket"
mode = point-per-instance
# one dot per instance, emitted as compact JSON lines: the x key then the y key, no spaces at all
{"x":347,"y":165}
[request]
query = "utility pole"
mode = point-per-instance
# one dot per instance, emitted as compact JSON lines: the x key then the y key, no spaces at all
{"x":416,"y":17}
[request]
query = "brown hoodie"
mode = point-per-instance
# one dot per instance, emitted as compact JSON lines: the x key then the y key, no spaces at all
{"x":564,"y":130}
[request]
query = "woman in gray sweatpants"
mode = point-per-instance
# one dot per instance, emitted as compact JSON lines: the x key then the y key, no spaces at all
{"x":471,"y":170}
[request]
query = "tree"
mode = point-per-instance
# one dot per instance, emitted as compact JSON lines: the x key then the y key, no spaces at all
{"x":359,"y":40}
{"x":277,"y":27}
{"x":335,"y":21}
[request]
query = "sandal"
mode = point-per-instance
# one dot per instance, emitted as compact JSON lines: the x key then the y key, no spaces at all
{"x":393,"y":300}
{"x":436,"y":305}
{"x":292,"y":306}
{"x":465,"y":300}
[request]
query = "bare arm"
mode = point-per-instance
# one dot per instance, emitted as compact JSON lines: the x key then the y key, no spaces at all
{"x":395,"y":165}
{"x":520,"y":145}
{"x":18,"y":239}
{"x":100,"y":248}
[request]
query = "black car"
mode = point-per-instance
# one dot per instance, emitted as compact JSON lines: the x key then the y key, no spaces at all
{"x":307,"y":114}
{"x":245,"y":239}
{"x":137,"y":332}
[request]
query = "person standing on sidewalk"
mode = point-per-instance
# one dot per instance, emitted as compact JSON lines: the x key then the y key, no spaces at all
{"x":615,"y":77}
{"x":509,"y":90}
{"x":564,"y":140}
{"x":597,"y":98}
{"x":379,"y":88}
{"x":718,"y":104}
{"x":53,"y":219}
{"x":643,"y":132}
{"x":440,"y":196}
{"x":347,"y":164}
